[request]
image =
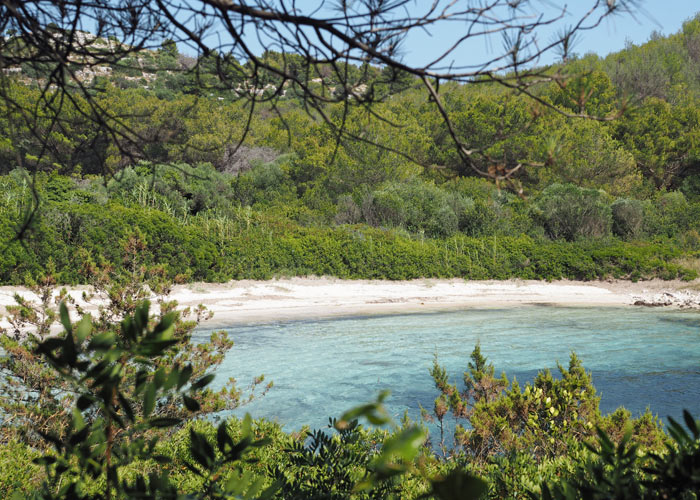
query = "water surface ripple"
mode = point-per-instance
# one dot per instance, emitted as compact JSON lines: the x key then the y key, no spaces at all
{"x":638,"y":357}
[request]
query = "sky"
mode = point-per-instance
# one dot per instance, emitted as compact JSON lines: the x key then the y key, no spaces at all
{"x":663,"y":16}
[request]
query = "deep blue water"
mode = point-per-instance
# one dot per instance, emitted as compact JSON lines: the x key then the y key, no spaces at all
{"x":638,"y":357}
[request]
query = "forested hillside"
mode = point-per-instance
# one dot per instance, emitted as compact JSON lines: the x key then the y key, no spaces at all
{"x":588,"y":199}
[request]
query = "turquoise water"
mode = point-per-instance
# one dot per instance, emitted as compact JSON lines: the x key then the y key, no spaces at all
{"x":638,"y":357}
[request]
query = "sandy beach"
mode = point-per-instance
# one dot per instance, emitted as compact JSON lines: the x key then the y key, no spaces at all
{"x":311,"y":298}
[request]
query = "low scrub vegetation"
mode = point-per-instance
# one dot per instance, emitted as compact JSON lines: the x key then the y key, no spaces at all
{"x":192,"y":223}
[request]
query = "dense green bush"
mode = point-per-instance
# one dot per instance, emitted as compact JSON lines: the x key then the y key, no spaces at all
{"x":419,"y":207}
{"x":178,"y":189}
{"x":196,"y":228}
{"x":543,"y":420}
{"x":18,"y":474}
{"x":264,"y":184}
{"x":622,"y":469}
{"x":570,"y":212}
{"x":250,"y":246}
{"x":628,"y":218}
{"x":670,"y":214}
{"x":690,"y":187}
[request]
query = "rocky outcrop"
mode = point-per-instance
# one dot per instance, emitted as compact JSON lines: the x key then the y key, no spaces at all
{"x":236,"y":161}
{"x":680,"y":299}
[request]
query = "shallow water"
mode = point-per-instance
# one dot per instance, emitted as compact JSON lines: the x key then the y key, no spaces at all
{"x":638,"y":357}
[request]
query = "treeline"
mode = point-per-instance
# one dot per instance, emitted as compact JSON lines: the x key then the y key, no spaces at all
{"x":595,"y":199}
{"x":653,"y":145}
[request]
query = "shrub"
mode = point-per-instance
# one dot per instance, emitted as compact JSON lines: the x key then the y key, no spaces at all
{"x":627,"y":217}
{"x":348,"y":211}
{"x":623,"y":470}
{"x":544,"y":419}
{"x":570,"y":212}
{"x":226,"y":241}
{"x":690,"y":187}
{"x":417,"y":207}
{"x":263,"y":183}
{"x":476,"y":188}
{"x":670,"y":214}
{"x":18,"y":474}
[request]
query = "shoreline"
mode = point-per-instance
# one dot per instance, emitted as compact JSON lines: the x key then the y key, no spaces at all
{"x":289,"y":299}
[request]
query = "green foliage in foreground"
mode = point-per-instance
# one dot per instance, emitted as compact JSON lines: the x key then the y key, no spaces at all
{"x":114,"y":446}
{"x":613,"y":470}
{"x":547,"y":441}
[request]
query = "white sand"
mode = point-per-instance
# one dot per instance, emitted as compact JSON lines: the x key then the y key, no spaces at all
{"x":309,"y":298}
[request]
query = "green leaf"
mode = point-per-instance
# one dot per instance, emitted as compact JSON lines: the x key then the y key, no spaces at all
{"x":84,"y":328}
{"x":459,"y":485}
{"x":140,"y":380}
{"x":171,"y":380}
{"x":203,"y":382}
{"x":691,"y":423}
{"x":149,"y":399}
{"x":50,"y":345}
{"x":184,"y":376}
{"x":78,"y":420}
{"x":51,"y":438}
{"x":164,"y":422}
{"x":201,"y":450}
{"x":79,"y":436}
{"x":161,"y":459}
{"x":102,"y":341}
{"x":223,"y":438}
{"x":69,"y":355}
{"x":270,"y":491}
{"x":154,"y":348}
{"x":84,"y":402}
{"x":247,"y":426}
{"x":45,"y":460}
{"x":375,"y":413}
{"x":129,"y":329}
{"x":65,"y":318}
{"x":141,"y":315}
{"x":159,"y":377}
{"x":254,"y":487}
{"x":406,"y":444}
{"x":546,"y":493}
{"x":190,"y":403}
{"x":166,"y":323}
{"x":126,"y":406}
